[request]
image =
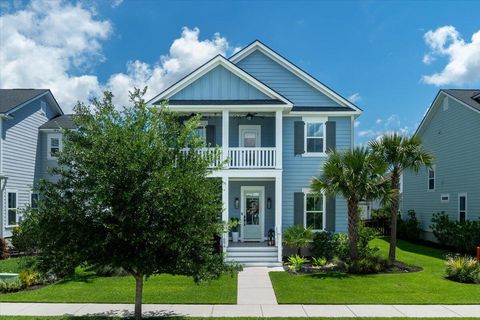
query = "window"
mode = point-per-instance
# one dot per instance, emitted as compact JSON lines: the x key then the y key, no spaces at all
{"x":34,"y":200}
{"x":55,"y":145}
{"x":431,"y":178}
{"x":314,"y":137}
{"x":12,"y":208}
{"x":462,"y":207}
{"x":314,"y":211}
{"x":445,"y":198}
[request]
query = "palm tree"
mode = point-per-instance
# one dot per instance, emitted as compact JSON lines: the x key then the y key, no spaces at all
{"x":401,"y":153}
{"x":356,"y":175}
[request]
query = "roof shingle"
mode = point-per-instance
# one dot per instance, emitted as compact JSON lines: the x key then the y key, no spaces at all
{"x":11,"y":98}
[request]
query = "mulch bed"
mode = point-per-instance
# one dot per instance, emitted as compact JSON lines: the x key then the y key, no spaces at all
{"x":308,"y":268}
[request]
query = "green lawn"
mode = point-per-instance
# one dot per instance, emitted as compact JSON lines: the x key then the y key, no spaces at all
{"x":425,"y":287}
{"x":10,"y":265}
{"x":86,"y":287}
{"x":192,"y":318}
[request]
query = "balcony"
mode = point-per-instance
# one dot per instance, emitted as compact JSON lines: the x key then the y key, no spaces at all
{"x":244,"y":158}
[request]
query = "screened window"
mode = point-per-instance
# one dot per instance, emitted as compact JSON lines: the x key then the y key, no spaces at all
{"x":431,"y":178}
{"x":462,"y":207}
{"x":54,"y":145}
{"x":12,"y":208}
{"x":314,"y":211}
{"x":314,"y":137}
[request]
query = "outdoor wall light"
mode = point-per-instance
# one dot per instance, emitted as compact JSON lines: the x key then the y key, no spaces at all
{"x":269,"y":203}
{"x":236,"y":203}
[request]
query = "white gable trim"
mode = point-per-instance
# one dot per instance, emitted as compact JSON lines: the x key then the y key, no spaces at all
{"x":46,"y":93}
{"x":210,"y":65}
{"x":257,"y":45}
{"x":426,"y":119}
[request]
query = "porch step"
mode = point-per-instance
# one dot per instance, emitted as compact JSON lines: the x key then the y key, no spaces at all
{"x":253,"y":256}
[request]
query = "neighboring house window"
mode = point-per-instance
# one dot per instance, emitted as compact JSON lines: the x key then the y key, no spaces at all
{"x":314,"y":211}
{"x":462,"y":207}
{"x":431,"y":178}
{"x":445,"y":198}
{"x":12,"y":208}
{"x":314,"y":137}
{"x":34,"y":200}
{"x":55,"y":145}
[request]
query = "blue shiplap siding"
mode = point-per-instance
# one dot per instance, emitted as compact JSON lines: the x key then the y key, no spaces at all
{"x":219,"y":84}
{"x":235,"y":192}
{"x":298,"y":171}
{"x":452,"y":136}
{"x":22,"y":152}
{"x":283,"y":81}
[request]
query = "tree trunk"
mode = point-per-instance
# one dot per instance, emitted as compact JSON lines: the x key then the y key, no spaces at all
{"x":299,"y":251}
{"x":138,"y":295}
{"x":353,"y":227}
{"x":393,"y":215}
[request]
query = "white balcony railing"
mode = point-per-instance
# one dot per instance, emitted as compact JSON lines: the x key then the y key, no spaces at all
{"x":244,"y":158}
{"x":252,"y":157}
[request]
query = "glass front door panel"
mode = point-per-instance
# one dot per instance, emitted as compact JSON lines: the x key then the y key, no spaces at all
{"x":249,"y":139}
{"x":252,"y":205}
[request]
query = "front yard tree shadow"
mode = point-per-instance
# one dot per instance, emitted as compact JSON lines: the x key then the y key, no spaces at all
{"x":129,"y":196}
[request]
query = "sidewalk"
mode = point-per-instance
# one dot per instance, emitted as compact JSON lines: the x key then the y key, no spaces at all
{"x":246,"y":310}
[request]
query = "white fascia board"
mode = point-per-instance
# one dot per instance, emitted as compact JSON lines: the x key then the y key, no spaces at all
{"x":257,"y":45}
{"x":233,"y":108}
{"x":218,"y":60}
{"x":322,"y":113}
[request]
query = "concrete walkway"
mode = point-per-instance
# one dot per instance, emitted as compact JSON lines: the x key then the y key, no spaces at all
{"x":254,"y":286}
{"x":245,"y":310}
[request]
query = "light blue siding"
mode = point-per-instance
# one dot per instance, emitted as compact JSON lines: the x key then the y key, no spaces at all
{"x":452,"y":136}
{"x":298,"y":171}
{"x":235,"y":192}
{"x":22,"y":153}
{"x":219,"y":84}
{"x":283,"y":81}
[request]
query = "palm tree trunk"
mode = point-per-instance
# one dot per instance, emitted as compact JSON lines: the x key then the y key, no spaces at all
{"x":393,"y":215}
{"x":353,"y":227}
{"x":138,"y":295}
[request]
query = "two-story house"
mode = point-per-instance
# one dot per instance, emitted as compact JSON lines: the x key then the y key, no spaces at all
{"x":275,"y":124}
{"x":30,"y":120}
{"x":451,"y":131}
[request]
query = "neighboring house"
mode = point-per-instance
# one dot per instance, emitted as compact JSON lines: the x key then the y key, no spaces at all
{"x":275,"y":123}
{"x":451,"y":131}
{"x":28,"y":142}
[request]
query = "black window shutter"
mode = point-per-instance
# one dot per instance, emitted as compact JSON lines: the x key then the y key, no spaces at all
{"x":299,"y":132}
{"x":331,"y":138}
{"x":298,"y":208}
{"x":210,"y":135}
{"x":330,"y":214}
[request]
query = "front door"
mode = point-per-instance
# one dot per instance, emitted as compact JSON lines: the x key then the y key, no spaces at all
{"x":252,"y":213}
{"x":249,"y":136}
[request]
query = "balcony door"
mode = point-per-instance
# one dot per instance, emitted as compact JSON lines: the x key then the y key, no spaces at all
{"x":252,"y":213}
{"x":249,"y":136}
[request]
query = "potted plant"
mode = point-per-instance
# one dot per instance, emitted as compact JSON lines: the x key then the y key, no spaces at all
{"x":233,"y":225}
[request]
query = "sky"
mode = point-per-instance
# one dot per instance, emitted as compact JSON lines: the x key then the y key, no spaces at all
{"x":388,"y":57}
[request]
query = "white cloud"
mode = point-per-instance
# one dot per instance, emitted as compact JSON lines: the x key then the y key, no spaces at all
{"x":463,"y":65}
{"x":56,"y":45}
{"x":116,"y":3}
{"x":354,"y":98}
{"x":385,"y":126}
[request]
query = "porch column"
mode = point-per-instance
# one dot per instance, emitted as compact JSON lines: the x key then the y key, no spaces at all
{"x":278,"y":138}
{"x":278,"y":215}
{"x":225,"y":189}
{"x":225,"y":134}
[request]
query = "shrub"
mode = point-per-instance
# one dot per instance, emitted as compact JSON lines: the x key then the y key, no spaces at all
{"x":10,"y":285}
{"x":233,"y":224}
{"x":371,"y":263}
{"x":341,"y":245}
{"x":296,"y":262}
{"x":29,"y":278}
{"x":463,"y":269}
{"x":24,"y":236}
{"x":365,"y":235}
{"x":4,"y":254}
{"x":408,"y":229}
{"x":298,"y":237}
{"x":464,"y":237}
{"x":324,"y":245}
{"x":108,"y":271}
{"x":319,"y":262}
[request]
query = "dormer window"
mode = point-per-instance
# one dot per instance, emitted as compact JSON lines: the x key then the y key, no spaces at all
{"x":54,"y":145}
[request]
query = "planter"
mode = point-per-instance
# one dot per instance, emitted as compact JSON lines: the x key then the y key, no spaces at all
{"x":234,"y":236}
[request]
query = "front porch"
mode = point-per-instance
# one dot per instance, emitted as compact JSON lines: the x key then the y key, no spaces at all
{"x":256,"y":203}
